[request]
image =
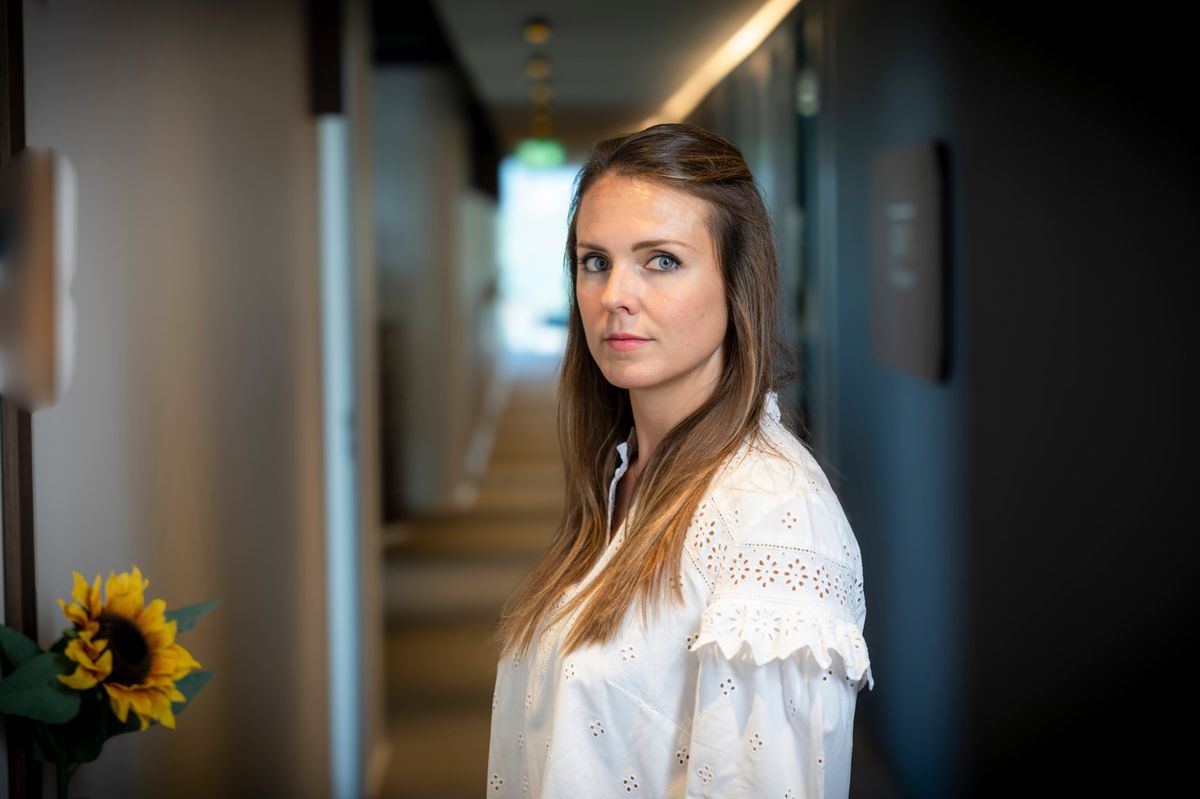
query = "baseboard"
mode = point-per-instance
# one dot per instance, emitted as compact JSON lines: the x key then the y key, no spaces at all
{"x":377,"y":765}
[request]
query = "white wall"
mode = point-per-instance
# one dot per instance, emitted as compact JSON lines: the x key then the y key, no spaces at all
{"x":435,"y":248}
{"x":190,"y":441}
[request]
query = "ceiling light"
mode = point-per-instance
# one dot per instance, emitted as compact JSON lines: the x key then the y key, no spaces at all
{"x":538,"y":67}
{"x":536,"y":30}
{"x":722,"y":61}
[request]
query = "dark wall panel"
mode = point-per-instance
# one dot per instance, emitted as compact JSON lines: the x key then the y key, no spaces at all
{"x":1026,"y":561}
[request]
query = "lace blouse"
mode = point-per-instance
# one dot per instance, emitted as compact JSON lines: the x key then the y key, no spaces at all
{"x":748,"y":691}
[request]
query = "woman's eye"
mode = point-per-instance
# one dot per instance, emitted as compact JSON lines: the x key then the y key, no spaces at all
{"x":665,"y":263}
{"x":589,"y":258}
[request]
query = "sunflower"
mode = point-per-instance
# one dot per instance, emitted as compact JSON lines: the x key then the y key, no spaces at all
{"x":126,"y":646}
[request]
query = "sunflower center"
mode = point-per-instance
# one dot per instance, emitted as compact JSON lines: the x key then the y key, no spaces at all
{"x":131,"y":653}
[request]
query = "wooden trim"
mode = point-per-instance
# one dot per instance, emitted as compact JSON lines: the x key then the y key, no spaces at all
{"x":325,"y":51}
{"x":16,"y":438}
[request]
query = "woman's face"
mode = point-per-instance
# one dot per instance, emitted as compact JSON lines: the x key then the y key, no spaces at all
{"x":647,"y":267}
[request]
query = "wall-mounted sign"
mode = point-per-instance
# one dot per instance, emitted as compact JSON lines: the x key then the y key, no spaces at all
{"x":37,"y":266}
{"x":909,"y":294}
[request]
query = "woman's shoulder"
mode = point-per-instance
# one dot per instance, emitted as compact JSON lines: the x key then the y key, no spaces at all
{"x":774,"y":492}
{"x":791,"y":576}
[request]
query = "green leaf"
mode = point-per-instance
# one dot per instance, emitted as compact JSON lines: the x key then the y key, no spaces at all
{"x":33,"y":690}
{"x":189,"y":686}
{"x":186,"y":617}
{"x":17,"y":646}
{"x":83,"y":737}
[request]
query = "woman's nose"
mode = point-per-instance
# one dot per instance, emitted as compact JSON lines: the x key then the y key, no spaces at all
{"x":622,"y":289}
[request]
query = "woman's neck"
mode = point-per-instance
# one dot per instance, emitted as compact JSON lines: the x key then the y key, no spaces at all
{"x":657,"y":410}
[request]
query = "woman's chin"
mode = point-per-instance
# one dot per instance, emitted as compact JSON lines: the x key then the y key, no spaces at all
{"x":630,"y":379}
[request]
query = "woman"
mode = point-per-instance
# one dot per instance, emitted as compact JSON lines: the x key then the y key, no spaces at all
{"x":695,"y":627}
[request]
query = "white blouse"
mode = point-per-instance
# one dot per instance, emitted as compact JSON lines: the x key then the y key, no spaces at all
{"x":748,"y":691}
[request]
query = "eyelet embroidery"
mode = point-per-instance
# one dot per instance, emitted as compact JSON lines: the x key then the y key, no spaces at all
{"x":766,"y":570}
{"x":496,"y":782}
{"x":756,"y":742}
{"x":705,"y":774}
{"x":764,"y":624}
{"x":596,"y":728}
{"x":777,"y":630}
{"x":739,"y":568}
{"x":706,"y":543}
{"x":801,"y":572}
{"x":630,"y":783}
{"x":794,"y":574}
{"x":681,"y":755}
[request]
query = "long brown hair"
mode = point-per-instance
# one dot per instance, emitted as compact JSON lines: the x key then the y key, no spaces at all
{"x":594,"y":415}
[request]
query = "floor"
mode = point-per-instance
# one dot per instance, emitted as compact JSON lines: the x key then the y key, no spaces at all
{"x":445,"y":581}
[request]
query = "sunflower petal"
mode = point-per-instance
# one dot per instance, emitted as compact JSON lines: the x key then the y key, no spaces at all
{"x":74,"y":614}
{"x":81,"y":680}
{"x":125,"y":593}
{"x":153,"y":615}
{"x":119,"y":700}
{"x":93,"y":605}
{"x":185,"y":662}
{"x":92,"y":658}
{"x":79,"y":591}
{"x":162,"y":710}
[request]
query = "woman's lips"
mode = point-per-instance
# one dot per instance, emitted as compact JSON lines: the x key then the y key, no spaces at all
{"x":623,"y":344}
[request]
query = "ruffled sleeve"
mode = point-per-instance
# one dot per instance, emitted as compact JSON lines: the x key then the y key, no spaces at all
{"x":781,"y":654}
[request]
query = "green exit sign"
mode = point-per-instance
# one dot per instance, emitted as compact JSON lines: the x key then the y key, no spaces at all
{"x":541,"y":152}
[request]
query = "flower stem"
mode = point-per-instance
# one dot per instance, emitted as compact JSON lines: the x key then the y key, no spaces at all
{"x":63,"y":779}
{"x":60,"y":759}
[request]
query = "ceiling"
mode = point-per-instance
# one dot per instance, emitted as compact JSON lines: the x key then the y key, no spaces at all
{"x":612,"y":64}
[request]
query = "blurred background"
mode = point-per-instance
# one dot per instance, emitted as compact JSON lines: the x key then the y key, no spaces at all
{"x":321,"y":304}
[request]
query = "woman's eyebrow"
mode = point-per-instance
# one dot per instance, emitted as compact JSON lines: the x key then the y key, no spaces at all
{"x":641,"y":245}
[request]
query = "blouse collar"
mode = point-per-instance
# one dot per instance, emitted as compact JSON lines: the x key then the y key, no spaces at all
{"x":627,"y":449}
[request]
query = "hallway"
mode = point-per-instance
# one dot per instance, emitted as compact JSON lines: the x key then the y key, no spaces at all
{"x":444,"y":583}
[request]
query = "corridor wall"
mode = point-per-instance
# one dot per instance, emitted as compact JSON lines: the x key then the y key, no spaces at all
{"x":190,"y":442}
{"x":435,"y":247}
{"x":1015,"y":517}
